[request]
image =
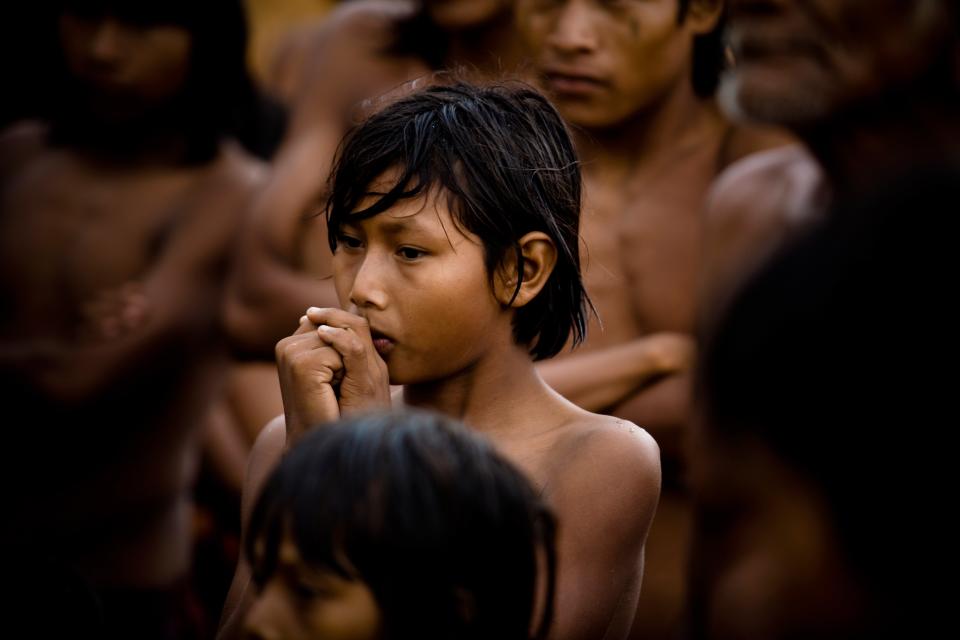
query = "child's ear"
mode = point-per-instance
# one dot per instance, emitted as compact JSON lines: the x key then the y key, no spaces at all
{"x":703,"y":15}
{"x":539,"y":257}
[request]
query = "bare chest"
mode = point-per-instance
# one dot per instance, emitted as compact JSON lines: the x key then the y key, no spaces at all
{"x":643,"y":246}
{"x":67,"y":232}
{"x":536,"y":458}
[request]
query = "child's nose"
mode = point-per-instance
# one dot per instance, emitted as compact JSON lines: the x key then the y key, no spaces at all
{"x":368,"y":286}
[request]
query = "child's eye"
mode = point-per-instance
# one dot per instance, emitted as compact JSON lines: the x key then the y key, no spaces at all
{"x":410,"y":253}
{"x":349,"y":242}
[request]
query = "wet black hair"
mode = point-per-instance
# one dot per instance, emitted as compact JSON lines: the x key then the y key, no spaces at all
{"x":219,"y":99}
{"x":444,"y":531}
{"x":506,"y":161}
{"x":709,"y":58}
{"x":833,"y":358}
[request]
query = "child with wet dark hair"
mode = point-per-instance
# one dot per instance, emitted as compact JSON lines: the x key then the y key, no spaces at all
{"x":408,"y":525}
{"x":453,"y":217}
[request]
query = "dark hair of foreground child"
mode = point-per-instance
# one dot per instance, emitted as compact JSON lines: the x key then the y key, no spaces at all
{"x":445,"y":533}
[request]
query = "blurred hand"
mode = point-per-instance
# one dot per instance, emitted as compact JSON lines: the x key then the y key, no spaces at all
{"x":113,"y":313}
{"x":674,"y":351}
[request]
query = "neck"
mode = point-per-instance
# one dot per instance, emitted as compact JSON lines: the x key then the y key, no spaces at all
{"x":863,"y":148}
{"x":131,"y":144}
{"x":145,"y":150}
{"x":491,"y":48}
{"x":494,"y":395}
{"x":678,"y":122}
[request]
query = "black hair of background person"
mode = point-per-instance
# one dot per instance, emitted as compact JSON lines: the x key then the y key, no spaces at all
{"x":27,"y":60}
{"x":504,"y":159}
{"x":840,"y":358}
{"x":443,"y":530}
{"x":709,"y":57}
{"x":220,"y":99}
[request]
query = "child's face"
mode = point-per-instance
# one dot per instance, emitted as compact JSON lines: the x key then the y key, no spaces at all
{"x":301,"y":602}
{"x":423,"y":286}
{"x":126,"y":68}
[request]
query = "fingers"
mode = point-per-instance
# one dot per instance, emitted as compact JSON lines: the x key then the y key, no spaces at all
{"x":348,"y":333}
{"x":340,"y":319}
{"x":304,"y":355}
{"x":355,"y":350}
{"x":309,"y":373}
{"x":305,"y":326}
{"x":366,"y":381}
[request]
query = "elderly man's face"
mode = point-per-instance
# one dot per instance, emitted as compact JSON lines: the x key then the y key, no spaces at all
{"x":799,"y":62}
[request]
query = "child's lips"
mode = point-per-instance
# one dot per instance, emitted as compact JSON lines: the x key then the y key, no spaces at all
{"x":383,"y":345}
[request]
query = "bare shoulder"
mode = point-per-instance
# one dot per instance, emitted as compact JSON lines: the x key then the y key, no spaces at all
{"x":779,"y":180}
{"x":328,"y":66}
{"x":746,"y":140}
{"x":242,"y":168}
{"x":268,"y":446}
{"x":361,"y":14}
{"x":264,"y":456}
{"x":606,"y":451}
{"x":345,"y":23}
{"x":751,"y":209}
{"x":233,"y":181}
{"x":19,"y":143}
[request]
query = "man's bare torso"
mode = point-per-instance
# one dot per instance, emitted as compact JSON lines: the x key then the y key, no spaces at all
{"x":644,"y":236}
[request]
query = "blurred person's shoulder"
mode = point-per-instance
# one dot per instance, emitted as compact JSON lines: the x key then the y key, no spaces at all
{"x":347,"y":22}
{"x":753,"y":207}
{"x":233,"y":179}
{"x":337,"y":49}
{"x":20,"y":143}
{"x":239,"y":165}
{"x":371,"y":13}
{"x":782,"y":182}
{"x":743,"y":140}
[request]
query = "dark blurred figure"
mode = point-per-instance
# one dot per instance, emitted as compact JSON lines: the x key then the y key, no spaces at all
{"x":27,"y":60}
{"x":823,"y":472}
{"x":871,"y":87}
{"x":119,"y":210}
{"x":637,"y":81}
{"x":820,"y":517}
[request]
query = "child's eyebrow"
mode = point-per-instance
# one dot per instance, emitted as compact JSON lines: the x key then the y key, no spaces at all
{"x":404,"y":224}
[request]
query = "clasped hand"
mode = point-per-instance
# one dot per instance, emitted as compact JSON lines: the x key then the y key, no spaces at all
{"x":329,"y":368}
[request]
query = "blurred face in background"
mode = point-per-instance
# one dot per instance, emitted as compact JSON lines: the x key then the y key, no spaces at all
{"x":456,"y":15}
{"x":604,"y":61}
{"x":797,"y":62}
{"x":125,"y":69}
